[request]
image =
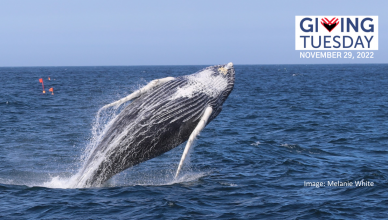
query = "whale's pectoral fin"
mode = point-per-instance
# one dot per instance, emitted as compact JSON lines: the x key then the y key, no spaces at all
{"x":137,"y":93}
{"x":201,"y":125}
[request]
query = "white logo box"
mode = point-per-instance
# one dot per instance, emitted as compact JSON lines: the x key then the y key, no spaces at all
{"x":351,"y":33}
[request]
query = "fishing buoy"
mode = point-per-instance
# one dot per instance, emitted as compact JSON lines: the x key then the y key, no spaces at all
{"x":41,"y":81}
{"x":52,"y":91}
{"x":49,"y":78}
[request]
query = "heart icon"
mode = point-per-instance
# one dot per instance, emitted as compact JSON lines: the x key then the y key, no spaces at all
{"x":330,"y":24}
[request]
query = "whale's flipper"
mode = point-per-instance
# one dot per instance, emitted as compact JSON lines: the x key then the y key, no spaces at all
{"x":137,"y":93}
{"x":201,"y":125}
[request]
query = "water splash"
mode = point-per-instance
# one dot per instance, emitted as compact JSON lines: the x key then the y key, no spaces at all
{"x":149,"y":178}
{"x":59,"y":182}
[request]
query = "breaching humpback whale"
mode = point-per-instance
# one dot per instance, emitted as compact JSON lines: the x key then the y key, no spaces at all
{"x":163,"y":114}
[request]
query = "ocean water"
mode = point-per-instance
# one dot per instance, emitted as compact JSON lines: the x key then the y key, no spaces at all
{"x":282,"y":126}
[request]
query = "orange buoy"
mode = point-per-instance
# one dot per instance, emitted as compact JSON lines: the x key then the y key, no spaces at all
{"x":41,"y":81}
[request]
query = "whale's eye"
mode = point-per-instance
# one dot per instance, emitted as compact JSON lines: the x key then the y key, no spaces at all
{"x":222,"y":70}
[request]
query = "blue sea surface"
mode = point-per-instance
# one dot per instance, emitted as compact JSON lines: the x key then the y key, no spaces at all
{"x":282,"y":126}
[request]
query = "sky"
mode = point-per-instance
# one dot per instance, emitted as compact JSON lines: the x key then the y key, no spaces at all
{"x":101,"y":33}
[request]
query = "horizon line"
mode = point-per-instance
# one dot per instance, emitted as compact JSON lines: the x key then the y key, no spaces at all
{"x":192,"y":65}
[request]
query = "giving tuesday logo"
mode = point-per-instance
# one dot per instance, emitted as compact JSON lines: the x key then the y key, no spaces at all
{"x":336,"y":33}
